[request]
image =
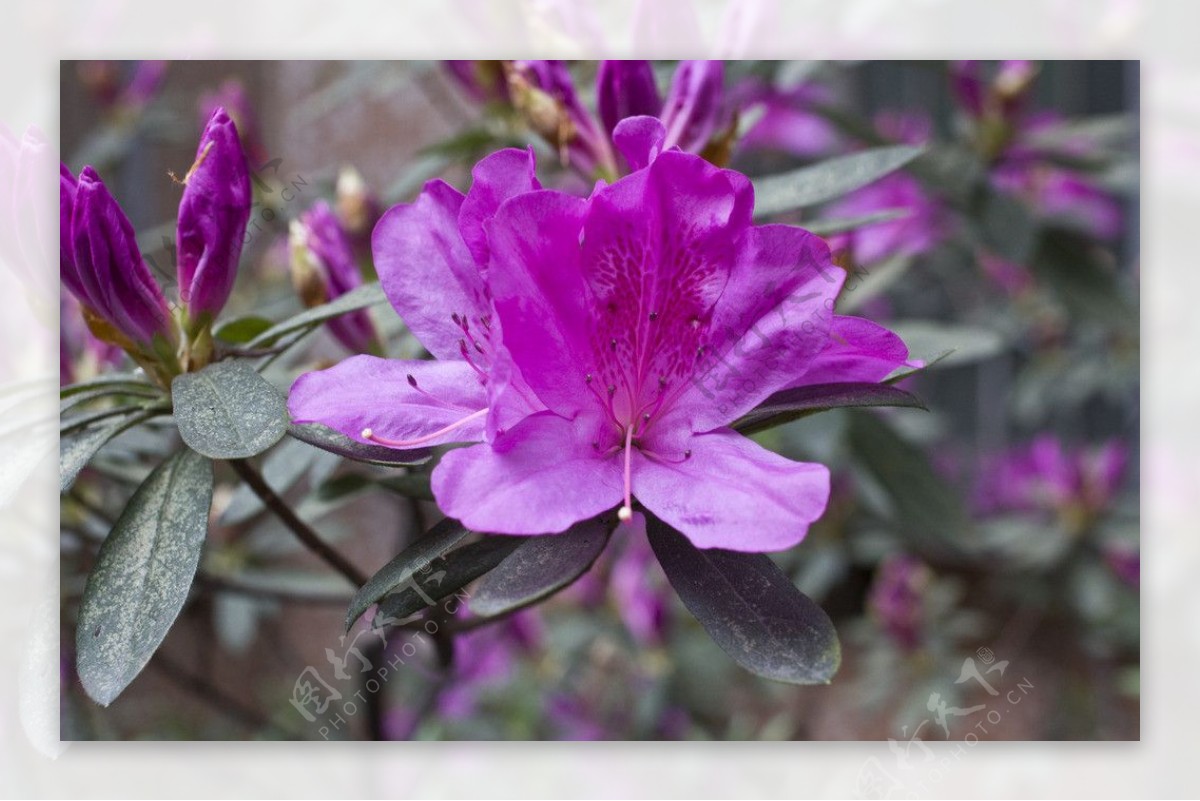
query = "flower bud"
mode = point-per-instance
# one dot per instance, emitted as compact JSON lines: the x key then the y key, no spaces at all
{"x":357,"y":207}
{"x":626,"y":89}
{"x":102,"y":266}
{"x":213,"y":214}
{"x":323,"y":268}
{"x":694,"y":108}
{"x":482,"y":81}
{"x":544,"y":94}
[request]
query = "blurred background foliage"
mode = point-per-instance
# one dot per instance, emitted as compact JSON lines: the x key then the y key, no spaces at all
{"x":999,"y":528}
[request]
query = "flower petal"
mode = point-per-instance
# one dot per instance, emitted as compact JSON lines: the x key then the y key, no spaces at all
{"x":426,"y":269}
{"x":369,"y":392}
{"x":732,"y":493}
{"x":496,"y":178}
{"x":625,"y":89}
{"x":541,"y":477}
{"x":640,"y":140}
{"x":859,"y":350}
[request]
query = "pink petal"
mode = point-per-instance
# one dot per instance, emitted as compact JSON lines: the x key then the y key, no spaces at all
{"x":859,"y":350}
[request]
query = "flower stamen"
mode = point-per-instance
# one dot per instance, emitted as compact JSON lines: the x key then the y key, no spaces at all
{"x":625,"y":513}
{"x":368,"y":434}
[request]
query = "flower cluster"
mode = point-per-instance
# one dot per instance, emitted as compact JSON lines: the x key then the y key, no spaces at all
{"x":598,"y":349}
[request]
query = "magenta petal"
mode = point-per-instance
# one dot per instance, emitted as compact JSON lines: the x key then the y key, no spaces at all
{"x":640,"y":140}
{"x":495,"y":179}
{"x":859,"y":350}
{"x":625,"y":89}
{"x":695,"y":104}
{"x":772,"y":321}
{"x":426,"y":269}
{"x":369,"y":392}
{"x":732,"y":493}
{"x":540,"y":478}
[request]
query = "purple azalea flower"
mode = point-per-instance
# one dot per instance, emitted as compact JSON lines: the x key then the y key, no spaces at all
{"x":323,"y":268}
{"x":897,"y":599}
{"x":545,"y":92}
{"x":486,"y":659}
{"x":626,"y":89}
{"x":639,"y":589}
{"x":788,"y":123}
{"x":1046,"y":476}
{"x":101,"y":265}
{"x":482,"y":81}
{"x":431,"y":256}
{"x":212,"y":220}
{"x":1000,"y":96}
{"x":1060,"y":193}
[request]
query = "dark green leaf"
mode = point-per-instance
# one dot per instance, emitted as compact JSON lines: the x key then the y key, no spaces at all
{"x":402,"y":570}
{"x":327,"y":439}
{"x":830,"y":227}
{"x":790,"y":404}
{"x":75,"y":451}
{"x":357,"y":298}
{"x":827,"y":180}
{"x":135,"y":391}
{"x":228,"y":411}
{"x":750,"y":608}
{"x":119,"y":382}
{"x":447,"y":575}
{"x":142,"y":575}
{"x":410,"y":485}
{"x":540,"y":567}
{"x":929,"y":513}
{"x":72,"y":423}
{"x":242,"y":330}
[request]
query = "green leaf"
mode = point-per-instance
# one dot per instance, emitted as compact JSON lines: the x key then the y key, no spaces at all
{"x":863,"y":285}
{"x":117,"y":382}
{"x":228,"y":411}
{"x":327,"y":439}
{"x":1082,"y":276}
{"x":447,"y":575}
{"x":951,"y":345}
{"x":929,"y":513}
{"x":357,"y":298}
{"x":142,"y":575}
{"x":750,"y":608}
{"x":540,"y":567}
{"x":242,"y":330}
{"x":827,"y":180}
{"x":75,"y":451}
{"x":830,"y":227}
{"x":791,"y":404}
{"x":282,"y":468}
{"x":410,"y":485}
{"x":403,"y":569}
{"x":72,"y":423}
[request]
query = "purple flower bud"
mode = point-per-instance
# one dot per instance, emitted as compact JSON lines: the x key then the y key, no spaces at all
{"x":213,"y":214}
{"x":545,"y":93}
{"x":626,"y":89}
{"x":967,"y":85}
{"x":482,"y":81}
{"x":323,"y":268}
{"x":103,"y":266}
{"x":695,"y":105}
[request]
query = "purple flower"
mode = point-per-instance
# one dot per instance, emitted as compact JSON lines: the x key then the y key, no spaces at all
{"x":1046,"y":476}
{"x":612,"y":343}
{"x":912,"y":235}
{"x":213,"y":214}
{"x":1059,"y":193}
{"x":695,"y":106}
{"x":357,"y":206}
{"x":232,"y":96}
{"x":430,"y":255}
{"x":626,"y":89}
{"x":482,"y":81}
{"x":897,"y":598}
{"x":639,"y":588}
{"x":545,"y":94}
{"x":1001,"y":96}
{"x":789,"y":122}
{"x":101,"y":265}
{"x":324,"y":268}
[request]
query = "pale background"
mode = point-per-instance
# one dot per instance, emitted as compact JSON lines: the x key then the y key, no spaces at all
{"x":33,"y":37}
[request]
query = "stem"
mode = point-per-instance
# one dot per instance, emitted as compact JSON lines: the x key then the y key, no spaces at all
{"x":301,"y":529}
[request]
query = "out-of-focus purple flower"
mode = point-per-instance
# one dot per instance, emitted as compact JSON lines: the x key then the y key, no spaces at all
{"x":922,"y":228}
{"x":482,"y":81}
{"x":357,"y":206}
{"x":1046,"y":476}
{"x":101,"y":265}
{"x":998,"y":95}
{"x":81,"y":355}
{"x":323,"y":268}
{"x":640,"y":591}
{"x":486,"y":658}
{"x":212,"y":221}
{"x":231,"y":96}
{"x":694,"y":109}
{"x":1126,"y":563}
{"x":1014,"y":279}
{"x":897,"y":599}
{"x":1059,"y":193}
{"x":626,"y":89}
{"x":107,"y":83}
{"x":789,"y":123}
{"x":571,"y":719}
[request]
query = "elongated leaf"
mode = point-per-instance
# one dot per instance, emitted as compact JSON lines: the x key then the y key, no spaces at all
{"x":120,"y":381}
{"x":404,"y":568}
{"x":357,"y":298}
{"x":540,"y":567}
{"x":410,"y":485}
{"x":830,"y":227}
{"x":142,"y":575}
{"x":951,"y":344}
{"x":75,"y":451}
{"x":138,"y":391}
{"x":929,"y":514}
{"x":750,"y":608}
{"x":242,"y":330}
{"x":830,"y":179}
{"x":228,"y":411}
{"x":791,"y":404}
{"x":448,"y":575}
{"x":327,"y":439}
{"x":76,"y":422}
